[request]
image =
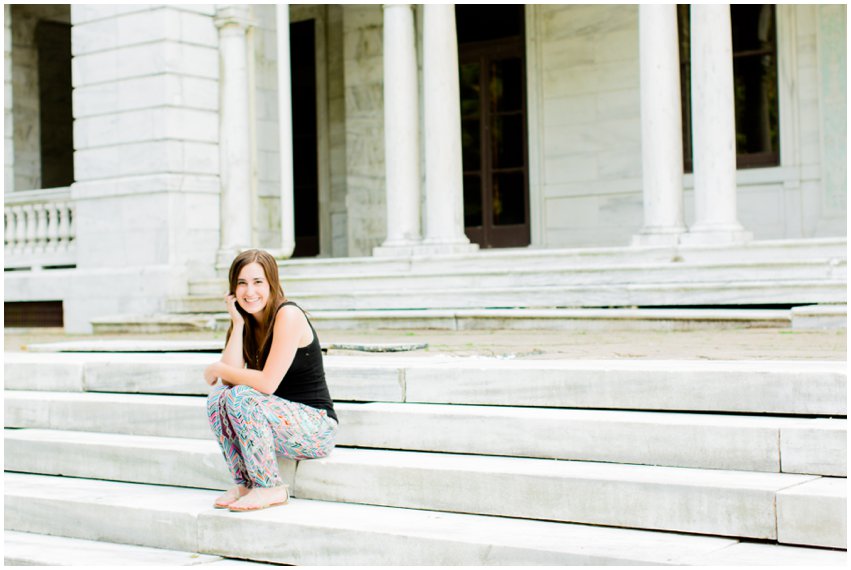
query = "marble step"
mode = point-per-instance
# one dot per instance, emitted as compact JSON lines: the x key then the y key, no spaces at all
{"x":815,"y":446}
{"x":789,"y":292}
{"x":473,"y":319}
{"x":28,"y":549}
{"x":502,"y":276}
{"x":659,"y":498}
{"x":764,"y":387}
{"x":532,"y":258}
{"x":324,"y":533}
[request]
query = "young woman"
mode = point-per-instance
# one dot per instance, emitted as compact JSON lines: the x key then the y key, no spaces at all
{"x":273,"y":396}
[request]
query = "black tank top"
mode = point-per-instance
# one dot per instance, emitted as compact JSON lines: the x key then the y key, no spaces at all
{"x":304,"y":382}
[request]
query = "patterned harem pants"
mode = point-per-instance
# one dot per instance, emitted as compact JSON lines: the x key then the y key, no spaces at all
{"x":251,"y":427}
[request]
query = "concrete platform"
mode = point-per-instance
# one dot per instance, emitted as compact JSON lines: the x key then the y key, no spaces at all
{"x":27,"y":549}
{"x":115,"y":457}
{"x":326,"y":533}
{"x":811,"y":388}
{"x":827,"y":496}
{"x":770,"y":444}
{"x":660,"y":498}
{"x":820,"y":317}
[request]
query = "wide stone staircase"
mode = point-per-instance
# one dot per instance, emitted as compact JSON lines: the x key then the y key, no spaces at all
{"x":754,"y":284}
{"x":440,"y":460}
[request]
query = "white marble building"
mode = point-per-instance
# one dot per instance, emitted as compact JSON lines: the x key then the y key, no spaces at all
{"x":569,"y":133}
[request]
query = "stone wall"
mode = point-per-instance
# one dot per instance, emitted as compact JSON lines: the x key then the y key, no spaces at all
{"x":147,"y":155}
{"x":833,"y":74}
{"x":364,"y":111}
{"x":590,"y":135}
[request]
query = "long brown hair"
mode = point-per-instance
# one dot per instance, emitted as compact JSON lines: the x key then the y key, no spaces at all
{"x":251,"y":348}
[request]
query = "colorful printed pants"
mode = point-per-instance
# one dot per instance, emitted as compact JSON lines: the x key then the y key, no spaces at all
{"x":251,"y":427}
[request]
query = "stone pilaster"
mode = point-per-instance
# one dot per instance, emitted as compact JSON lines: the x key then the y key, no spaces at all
{"x":233,"y":21}
{"x":285,"y":130}
{"x":713,"y":129}
{"x":444,"y":175}
{"x":401,"y":132}
{"x":661,"y":126}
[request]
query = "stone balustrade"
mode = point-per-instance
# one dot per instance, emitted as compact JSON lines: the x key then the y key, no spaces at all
{"x":39,"y":229}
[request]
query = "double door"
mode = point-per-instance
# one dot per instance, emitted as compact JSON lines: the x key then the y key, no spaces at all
{"x":494,"y":146}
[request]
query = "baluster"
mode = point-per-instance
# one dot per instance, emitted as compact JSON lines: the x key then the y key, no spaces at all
{"x":41,"y":227}
{"x":20,"y":229}
{"x":9,"y":219}
{"x":32,"y":228}
{"x":64,"y":226}
{"x":53,"y":226}
{"x":72,"y":224}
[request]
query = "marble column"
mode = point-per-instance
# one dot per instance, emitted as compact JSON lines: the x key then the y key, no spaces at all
{"x":401,"y":132}
{"x":234,"y":136}
{"x":713,"y":129}
{"x":444,"y":175}
{"x":285,"y":132}
{"x":661,"y":126}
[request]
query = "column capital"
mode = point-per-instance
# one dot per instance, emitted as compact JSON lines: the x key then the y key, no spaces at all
{"x":228,"y":15}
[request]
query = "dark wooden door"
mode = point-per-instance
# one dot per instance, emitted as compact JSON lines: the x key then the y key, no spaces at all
{"x":493,"y":125}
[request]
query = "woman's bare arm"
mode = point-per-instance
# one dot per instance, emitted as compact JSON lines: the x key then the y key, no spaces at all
{"x":289,"y":324}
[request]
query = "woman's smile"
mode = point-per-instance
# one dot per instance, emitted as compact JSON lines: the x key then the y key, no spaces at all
{"x":252,"y":289}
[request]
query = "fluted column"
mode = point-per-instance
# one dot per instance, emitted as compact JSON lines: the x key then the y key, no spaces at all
{"x":234,"y":140}
{"x":444,"y":174}
{"x":401,"y":132}
{"x":285,"y":131}
{"x":661,"y":126}
{"x":713,"y":128}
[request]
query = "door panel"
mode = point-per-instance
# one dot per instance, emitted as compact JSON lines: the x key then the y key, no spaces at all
{"x":493,"y":131}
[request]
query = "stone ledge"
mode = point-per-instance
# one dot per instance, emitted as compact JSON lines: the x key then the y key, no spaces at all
{"x":28,"y":549}
{"x":806,"y":446}
{"x":328,"y":533}
{"x":779,"y":387}
{"x":660,"y":498}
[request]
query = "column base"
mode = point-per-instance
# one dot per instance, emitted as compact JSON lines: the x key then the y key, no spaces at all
{"x":717,"y":235}
{"x":658,"y":236}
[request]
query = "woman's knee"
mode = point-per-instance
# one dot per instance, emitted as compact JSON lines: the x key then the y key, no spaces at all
{"x":214,"y":402}
{"x":239,"y":397}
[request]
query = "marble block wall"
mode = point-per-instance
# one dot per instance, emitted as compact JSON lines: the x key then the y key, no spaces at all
{"x":364,"y":111}
{"x":833,"y":75}
{"x":147,"y":157}
{"x":590,"y":137}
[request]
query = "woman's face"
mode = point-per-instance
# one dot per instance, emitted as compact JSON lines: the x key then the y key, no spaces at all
{"x":252,"y":288}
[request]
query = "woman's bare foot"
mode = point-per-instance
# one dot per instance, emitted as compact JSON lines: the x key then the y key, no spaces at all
{"x":262,"y":497}
{"x":231,"y":496}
